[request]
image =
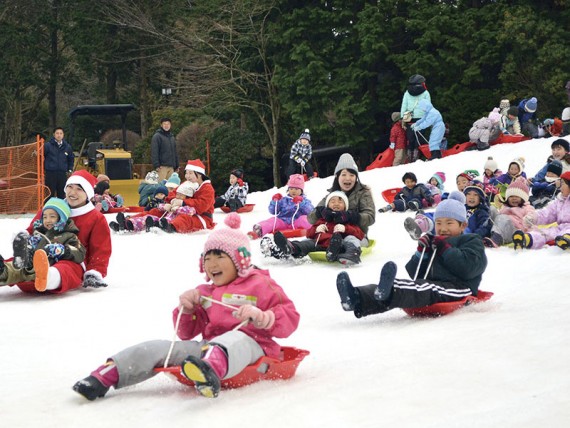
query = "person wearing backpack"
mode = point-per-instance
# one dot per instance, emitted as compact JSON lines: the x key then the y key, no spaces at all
{"x":411,"y":113}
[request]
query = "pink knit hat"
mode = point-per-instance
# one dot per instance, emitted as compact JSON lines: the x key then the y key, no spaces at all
{"x":518,"y":188}
{"x":297,"y":181}
{"x":231,"y":241}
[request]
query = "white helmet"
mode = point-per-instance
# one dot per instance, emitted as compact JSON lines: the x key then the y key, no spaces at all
{"x":566,"y":114}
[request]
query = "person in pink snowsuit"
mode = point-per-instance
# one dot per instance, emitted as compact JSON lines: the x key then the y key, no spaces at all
{"x":237,"y":313}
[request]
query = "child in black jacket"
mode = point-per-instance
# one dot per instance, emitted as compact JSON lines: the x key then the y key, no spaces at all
{"x":456,"y":271}
{"x":413,"y":196}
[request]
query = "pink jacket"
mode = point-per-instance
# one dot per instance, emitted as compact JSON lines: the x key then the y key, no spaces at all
{"x":517,"y":214}
{"x":258,"y":289}
{"x":186,"y":210}
{"x":556,"y":211}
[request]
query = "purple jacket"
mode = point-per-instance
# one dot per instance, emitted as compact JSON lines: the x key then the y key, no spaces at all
{"x":556,"y":211}
{"x":258,"y":289}
{"x":286,"y":209}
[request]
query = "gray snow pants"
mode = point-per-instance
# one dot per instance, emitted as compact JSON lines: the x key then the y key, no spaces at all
{"x":136,"y":363}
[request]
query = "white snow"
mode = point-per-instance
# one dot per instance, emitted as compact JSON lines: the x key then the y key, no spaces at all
{"x":500,"y":363}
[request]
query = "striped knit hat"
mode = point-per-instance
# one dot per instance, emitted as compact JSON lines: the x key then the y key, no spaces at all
{"x":518,"y":188}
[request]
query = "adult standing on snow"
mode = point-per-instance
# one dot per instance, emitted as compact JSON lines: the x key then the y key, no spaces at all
{"x":58,"y":163}
{"x":431,"y":117}
{"x":94,"y":234}
{"x":411,"y":113}
{"x":163,"y":153}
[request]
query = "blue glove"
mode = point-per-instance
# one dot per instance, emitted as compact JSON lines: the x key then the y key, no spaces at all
{"x":55,"y":251}
{"x":34,"y":240}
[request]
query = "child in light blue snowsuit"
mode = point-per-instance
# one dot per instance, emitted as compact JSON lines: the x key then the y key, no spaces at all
{"x":432,"y":117}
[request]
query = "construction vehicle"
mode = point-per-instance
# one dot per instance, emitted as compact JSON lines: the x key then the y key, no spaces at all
{"x":113,"y":160}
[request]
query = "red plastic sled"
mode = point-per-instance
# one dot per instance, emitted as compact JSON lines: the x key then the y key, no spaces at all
{"x":458,"y":148}
{"x":245,"y":209}
{"x":132,"y":209}
{"x":390,"y":194}
{"x":294,"y":233}
{"x":266,"y":368}
{"x":384,"y":159}
{"x":508,"y":139}
{"x":440,"y":309}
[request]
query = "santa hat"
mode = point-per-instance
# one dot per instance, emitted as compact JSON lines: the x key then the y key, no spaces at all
{"x":452,"y":207}
{"x":231,"y":241}
{"x":338,"y":194}
{"x":196,"y":165}
{"x":297,"y":181}
{"x":518,"y":188}
{"x":85,"y":180}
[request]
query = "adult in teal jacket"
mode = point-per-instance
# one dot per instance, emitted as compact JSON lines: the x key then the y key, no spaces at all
{"x":432,"y":117}
{"x":416,"y":91}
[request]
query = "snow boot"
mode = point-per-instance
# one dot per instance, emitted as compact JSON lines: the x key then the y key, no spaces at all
{"x":494,"y":241}
{"x":91,"y":388}
{"x":349,"y":296}
{"x":413,"y":205}
{"x":105,"y":205}
{"x":41,"y":269}
{"x":351,"y":255}
{"x":166,"y":226}
{"x":335,"y":247}
{"x":268,"y":247}
{"x":287,"y":249}
{"x":207,"y":371}
{"x":436,"y":154}
{"x":385,"y":209}
{"x":2,"y":269}
{"x":386,"y":284}
{"x":121,"y":221}
{"x":23,"y":252}
{"x":120,"y":201}
{"x":521,"y":239}
{"x":148,"y":223}
{"x":412,"y":228}
{"x":563,"y":241}
{"x":114,"y":226}
{"x":129,"y":226}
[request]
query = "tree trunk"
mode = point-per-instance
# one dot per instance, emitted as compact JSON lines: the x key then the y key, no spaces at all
{"x":111,"y":91}
{"x":145,"y":114}
{"x":53,"y":68}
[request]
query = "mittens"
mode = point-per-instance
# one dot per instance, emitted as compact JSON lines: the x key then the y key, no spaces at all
{"x":190,"y":300}
{"x":441,"y":244}
{"x":425,"y":242}
{"x":93,"y":279}
{"x":327,"y":214}
{"x":277,"y":197}
{"x":297,"y":199}
{"x":55,"y":251}
{"x":261,"y":319}
{"x":240,"y":182}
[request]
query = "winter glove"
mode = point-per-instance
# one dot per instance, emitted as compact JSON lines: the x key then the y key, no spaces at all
{"x":343,"y":217}
{"x":190,"y":300}
{"x":339,"y":228}
{"x":392,"y":146}
{"x":240,"y":182}
{"x":297,"y":200}
{"x":261,"y":319}
{"x":425,"y":242}
{"x":177,"y":203}
{"x":297,"y":159}
{"x":529,"y":220}
{"x":55,"y":251}
{"x":327,"y":214}
{"x":34,"y":240}
{"x":277,"y":197}
{"x":440,"y":244}
{"x":302,"y":162}
{"x":322,"y":228}
{"x":93,"y":279}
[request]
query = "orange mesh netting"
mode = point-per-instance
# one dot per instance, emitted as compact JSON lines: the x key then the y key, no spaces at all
{"x":22,"y":187}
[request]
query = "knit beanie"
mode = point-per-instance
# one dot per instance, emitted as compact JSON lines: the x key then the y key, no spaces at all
{"x":491,"y":164}
{"x":151,"y":177}
{"x":173,"y":181}
{"x":297,"y":181}
{"x":530,"y":105}
{"x":187,"y":188}
{"x":555,"y":167}
{"x":478,"y":187}
{"x":339,"y":194}
{"x":562,"y":143}
{"x":85,"y":180}
{"x":102,"y":177}
{"x":161,"y":189}
{"x":520,"y":162}
{"x":231,"y":241}
{"x":518,"y":188}
{"x":346,"y":161}
{"x":101,"y":187}
{"x":513,"y":111}
{"x":306,"y":135}
{"x":504,"y":104}
{"x":452,"y":207}
{"x":60,"y":207}
{"x":565,"y":114}
{"x":396,"y":116}
{"x":440,"y":178}
{"x":237,"y":173}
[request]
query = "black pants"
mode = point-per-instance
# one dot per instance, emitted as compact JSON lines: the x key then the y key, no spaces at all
{"x":55,"y":181}
{"x":295,"y":168}
{"x":233,"y":203}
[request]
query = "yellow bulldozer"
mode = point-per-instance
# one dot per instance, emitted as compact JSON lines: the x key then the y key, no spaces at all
{"x":113,"y":160}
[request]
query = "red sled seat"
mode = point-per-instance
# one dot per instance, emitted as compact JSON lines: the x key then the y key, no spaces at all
{"x":390,"y":194}
{"x":384,"y":159}
{"x":458,"y":148}
{"x":440,"y":309}
{"x":509,"y":139}
{"x":266,"y":368}
{"x":245,"y":209}
{"x":131,"y":209}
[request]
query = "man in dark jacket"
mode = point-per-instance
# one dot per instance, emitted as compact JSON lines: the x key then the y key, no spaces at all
{"x":58,"y":163}
{"x":163,"y":153}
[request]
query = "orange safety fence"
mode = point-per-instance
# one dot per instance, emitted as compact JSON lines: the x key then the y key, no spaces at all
{"x":22,"y":188}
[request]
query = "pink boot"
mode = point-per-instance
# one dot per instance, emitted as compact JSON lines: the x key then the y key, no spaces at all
{"x":107,"y":374}
{"x":424,"y":222}
{"x":206,"y":372}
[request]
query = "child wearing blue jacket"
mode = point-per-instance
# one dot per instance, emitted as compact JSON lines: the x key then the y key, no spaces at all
{"x":432,"y":117}
{"x":546,"y":189}
{"x":413,"y":196}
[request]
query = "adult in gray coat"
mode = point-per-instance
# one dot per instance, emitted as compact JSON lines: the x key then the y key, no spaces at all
{"x":362,"y":212}
{"x":163,"y":153}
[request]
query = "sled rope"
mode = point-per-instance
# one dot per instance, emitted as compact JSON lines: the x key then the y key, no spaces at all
{"x":430,"y":262}
{"x":294,"y":214}
{"x":275,"y":217}
{"x":235,"y":308}
{"x":420,"y":263}
{"x":175,"y":336}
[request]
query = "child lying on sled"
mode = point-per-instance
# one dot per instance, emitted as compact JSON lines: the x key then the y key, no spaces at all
{"x":231,"y":339}
{"x":454,"y":273}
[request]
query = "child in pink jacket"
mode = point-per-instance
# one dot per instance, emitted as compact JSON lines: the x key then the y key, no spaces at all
{"x":511,"y":214}
{"x":237,"y":313}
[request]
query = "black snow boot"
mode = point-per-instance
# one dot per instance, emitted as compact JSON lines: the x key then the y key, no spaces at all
{"x":335,"y":247}
{"x":166,"y":226}
{"x":286,"y":247}
{"x":121,"y":221}
{"x":149,"y":223}
{"x":414,"y":206}
{"x":349,"y":296}
{"x":386,"y":284}
{"x":23,"y":251}
{"x":436,"y":154}
{"x":114,"y":226}
{"x":351,"y":255}
{"x":91,"y":388}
